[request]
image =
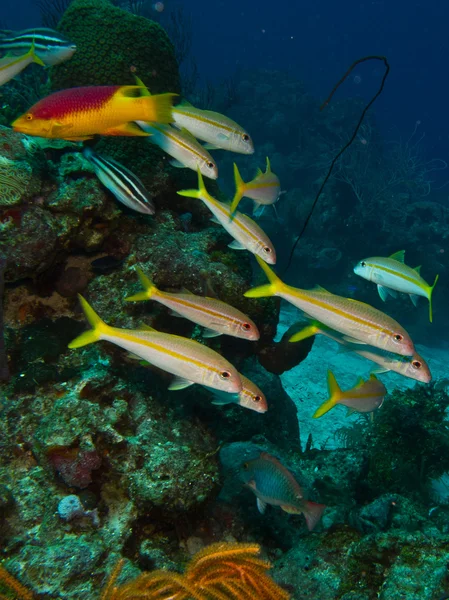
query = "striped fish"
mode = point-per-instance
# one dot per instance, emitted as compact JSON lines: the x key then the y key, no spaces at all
{"x":246,"y":233}
{"x":217,"y":316}
{"x":391,"y":275}
{"x":10,"y":65}
{"x":50,"y":46}
{"x":359,"y":323}
{"x":413,"y":367}
{"x":250,"y":397}
{"x":125,"y":186}
{"x":182,"y":146}
{"x":218,"y":130}
{"x":188,"y":360}
{"x":264,"y":189}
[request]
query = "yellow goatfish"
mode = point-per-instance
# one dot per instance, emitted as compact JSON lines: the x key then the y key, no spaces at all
{"x":250,"y":397}
{"x":246,"y":233}
{"x":11,"y":65}
{"x":216,"y":316}
{"x":364,"y":397}
{"x":359,"y":323}
{"x":188,"y":360}
{"x":391,"y":275}
{"x":413,"y":367}
{"x":218,"y":130}
{"x":264,"y":189}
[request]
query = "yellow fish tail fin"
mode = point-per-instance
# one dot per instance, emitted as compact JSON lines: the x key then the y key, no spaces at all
{"x":334,"y":396}
{"x":149,"y":288}
{"x":430,"y":292}
{"x":308,"y":331}
{"x":239,"y":189}
{"x":272,"y":289}
{"x":158,"y":107}
{"x":201,"y":193}
{"x":97,"y":324}
{"x":36,"y":59}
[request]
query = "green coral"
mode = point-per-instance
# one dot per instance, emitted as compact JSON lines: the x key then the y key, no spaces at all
{"x":14,"y":180}
{"x":112,"y":44}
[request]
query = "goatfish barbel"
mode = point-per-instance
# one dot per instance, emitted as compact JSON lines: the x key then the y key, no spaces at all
{"x":246,"y":233}
{"x":216,"y":316}
{"x":250,"y":397}
{"x":391,"y":275}
{"x":273,"y":484}
{"x":49,"y":45}
{"x":365,"y":397}
{"x":359,"y":323}
{"x":264,"y":189}
{"x":126,"y":187}
{"x":186,"y":151}
{"x":80,"y":113}
{"x":11,"y":65}
{"x":217,"y":130}
{"x":188,"y":360}
{"x":413,"y":367}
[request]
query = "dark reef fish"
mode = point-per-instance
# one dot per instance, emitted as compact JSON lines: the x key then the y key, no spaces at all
{"x":4,"y":371}
{"x":273,"y":484}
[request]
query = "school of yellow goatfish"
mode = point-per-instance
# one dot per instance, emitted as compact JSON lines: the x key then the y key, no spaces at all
{"x":79,"y":114}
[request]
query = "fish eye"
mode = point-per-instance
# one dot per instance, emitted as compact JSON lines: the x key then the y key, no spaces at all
{"x":29,"y":117}
{"x":363,"y":263}
{"x":245,"y":137}
{"x":225,"y":375}
{"x":417,"y":364}
{"x":257,"y":398}
{"x":267,"y":249}
{"x":210,"y":165}
{"x":398,"y":337}
{"x":246,"y":326}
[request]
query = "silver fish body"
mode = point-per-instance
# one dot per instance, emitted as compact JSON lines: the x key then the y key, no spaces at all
{"x":119,"y":180}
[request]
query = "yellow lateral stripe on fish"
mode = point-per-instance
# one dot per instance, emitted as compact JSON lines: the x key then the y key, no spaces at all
{"x":217,"y":316}
{"x":188,"y":360}
{"x":358,"y":321}
{"x":246,"y":233}
{"x":391,"y":275}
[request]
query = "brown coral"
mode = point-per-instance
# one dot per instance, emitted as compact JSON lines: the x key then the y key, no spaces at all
{"x":223,"y":571}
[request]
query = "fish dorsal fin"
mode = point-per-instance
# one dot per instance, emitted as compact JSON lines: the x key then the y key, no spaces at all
{"x":144,"y":327}
{"x":259,"y":172}
{"x":372,"y":376}
{"x":268,"y":169}
{"x":319,"y":288}
{"x":399,"y":256}
{"x":417,"y":269}
{"x":186,"y":133}
{"x":359,"y":383}
{"x":184,"y":103}
{"x":140,"y":83}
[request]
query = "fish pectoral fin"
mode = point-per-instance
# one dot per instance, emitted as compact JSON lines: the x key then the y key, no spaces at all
{"x":350,"y":411}
{"x":261,"y":506}
{"x":173,"y":313}
{"x":215,"y":220}
{"x":291,"y":510}
{"x":222,"y":137}
{"x":211,"y":147}
{"x":417,"y":269}
{"x":383,"y":292}
{"x":399,"y":256}
{"x":414,"y":298}
{"x":177,"y":164}
{"x":319,"y":288}
{"x":59,"y":129}
{"x":210,"y":333}
{"x":235,"y":245}
{"x":179,"y":383}
{"x":126,"y":129}
{"x":348,"y":338}
{"x":221,"y":399}
{"x":379,"y":371}
{"x":256,"y":208}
